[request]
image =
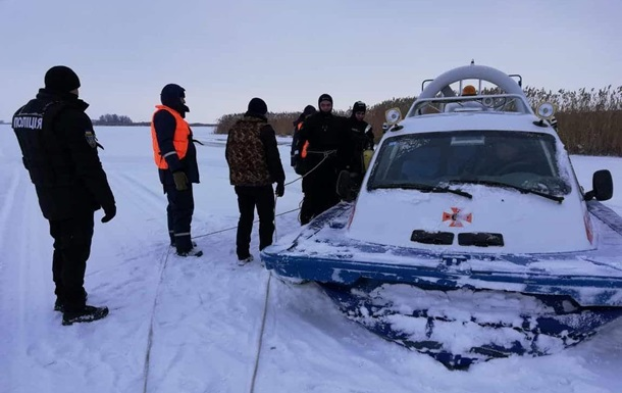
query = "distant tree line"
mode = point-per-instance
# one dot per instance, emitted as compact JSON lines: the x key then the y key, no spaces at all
{"x":113,"y":120}
{"x":121,"y":120}
{"x":590,"y":120}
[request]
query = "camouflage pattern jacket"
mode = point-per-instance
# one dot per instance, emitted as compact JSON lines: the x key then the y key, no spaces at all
{"x":252,"y":153}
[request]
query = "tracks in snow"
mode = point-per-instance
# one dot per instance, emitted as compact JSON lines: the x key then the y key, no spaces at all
{"x":150,"y":334}
{"x":191,"y":320}
{"x":24,"y":270}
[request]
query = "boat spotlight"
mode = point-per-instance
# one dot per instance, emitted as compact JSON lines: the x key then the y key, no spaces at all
{"x":545,"y":111}
{"x":488,"y":101}
{"x":393,"y":115}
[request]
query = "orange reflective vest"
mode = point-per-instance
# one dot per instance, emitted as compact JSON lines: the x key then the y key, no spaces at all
{"x":180,"y":139}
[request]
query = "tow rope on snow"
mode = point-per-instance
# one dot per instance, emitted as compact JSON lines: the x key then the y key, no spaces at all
{"x":326,"y":155}
{"x":155,"y":302}
{"x":150,"y":335}
{"x":236,"y":227}
{"x":266,"y":298}
{"x":261,"y":332}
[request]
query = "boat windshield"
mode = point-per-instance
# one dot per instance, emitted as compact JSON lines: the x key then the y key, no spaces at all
{"x":520,"y":160}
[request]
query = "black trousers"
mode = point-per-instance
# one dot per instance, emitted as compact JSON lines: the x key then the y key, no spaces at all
{"x":179,"y":216}
{"x":248,"y":198}
{"x":320,"y":193}
{"x":315,"y":204}
{"x":72,"y":248}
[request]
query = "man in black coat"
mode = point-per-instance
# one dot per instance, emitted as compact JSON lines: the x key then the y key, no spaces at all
{"x":359,"y":140}
{"x":254,"y":164}
{"x":176,"y":158}
{"x":59,"y":150}
{"x":322,"y":159}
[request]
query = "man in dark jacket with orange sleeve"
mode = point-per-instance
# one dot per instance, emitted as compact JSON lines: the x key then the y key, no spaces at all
{"x":254,"y":164}
{"x":295,"y":153}
{"x":176,"y":159}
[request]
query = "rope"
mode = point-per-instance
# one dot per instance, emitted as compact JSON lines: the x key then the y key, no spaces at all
{"x":326,"y":155}
{"x":261,"y":332}
{"x":267,"y":297}
{"x":263,"y":318}
{"x":150,"y":336}
{"x":275,"y":233}
{"x":236,"y":227}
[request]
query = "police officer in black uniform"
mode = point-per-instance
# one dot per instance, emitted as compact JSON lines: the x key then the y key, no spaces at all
{"x":59,"y":150}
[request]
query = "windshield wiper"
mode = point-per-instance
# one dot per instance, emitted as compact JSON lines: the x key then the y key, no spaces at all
{"x":423,"y":188}
{"x":506,"y":185}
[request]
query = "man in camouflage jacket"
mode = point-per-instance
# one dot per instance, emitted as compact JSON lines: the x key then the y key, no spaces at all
{"x":254,"y":165}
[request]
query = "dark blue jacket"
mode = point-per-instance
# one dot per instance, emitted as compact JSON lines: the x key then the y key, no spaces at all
{"x":59,"y":150}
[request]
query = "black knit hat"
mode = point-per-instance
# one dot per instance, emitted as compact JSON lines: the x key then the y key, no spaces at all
{"x":309,"y":110}
{"x":325,"y":97}
{"x":359,"y":106}
{"x":171,"y":96}
{"x":61,"y":79}
{"x":258,"y":106}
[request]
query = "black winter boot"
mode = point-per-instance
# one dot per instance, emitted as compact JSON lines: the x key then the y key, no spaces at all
{"x":193,"y":252}
{"x":84,"y":314}
{"x":194,"y":244}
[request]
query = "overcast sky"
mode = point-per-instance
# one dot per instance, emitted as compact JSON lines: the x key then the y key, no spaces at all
{"x":288,"y":52}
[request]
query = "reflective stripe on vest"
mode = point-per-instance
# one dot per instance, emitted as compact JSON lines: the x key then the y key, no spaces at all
{"x":180,"y":138}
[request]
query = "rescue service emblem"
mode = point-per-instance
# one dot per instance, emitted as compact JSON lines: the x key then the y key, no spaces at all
{"x":90,"y":138}
{"x":457,"y":217}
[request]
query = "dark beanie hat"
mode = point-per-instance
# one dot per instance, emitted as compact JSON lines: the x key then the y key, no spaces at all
{"x":325,"y":97}
{"x":171,"y":94}
{"x":61,"y":79}
{"x":309,"y":110}
{"x":258,"y":106}
{"x":359,"y":106}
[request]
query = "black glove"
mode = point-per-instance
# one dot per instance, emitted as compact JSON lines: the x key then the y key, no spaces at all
{"x":109,"y":213}
{"x":280,"y":189}
{"x":181,"y":180}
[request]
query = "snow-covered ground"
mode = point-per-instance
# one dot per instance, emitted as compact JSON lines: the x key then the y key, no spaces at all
{"x":194,"y":324}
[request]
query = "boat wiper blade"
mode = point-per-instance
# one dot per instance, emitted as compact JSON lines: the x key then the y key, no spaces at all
{"x":522,"y":190}
{"x":423,"y":188}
